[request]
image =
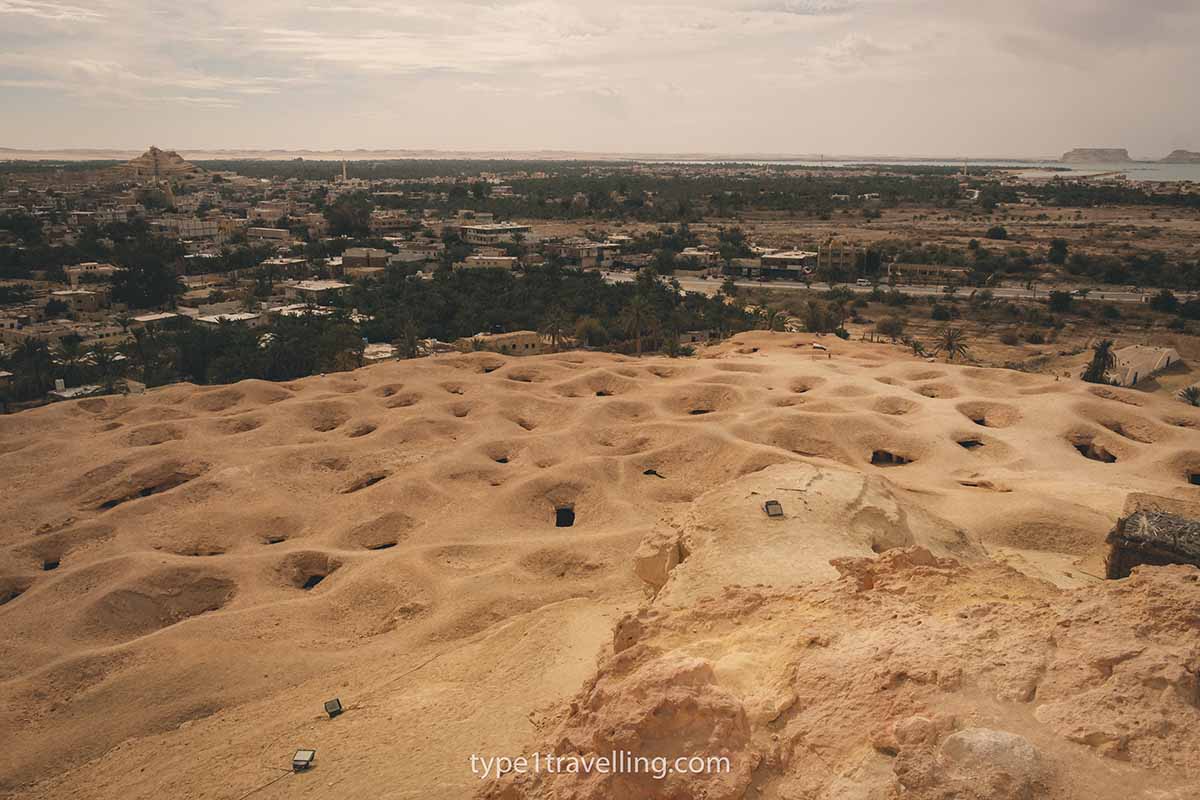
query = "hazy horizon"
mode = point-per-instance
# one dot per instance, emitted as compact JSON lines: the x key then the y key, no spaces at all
{"x":898,"y":78}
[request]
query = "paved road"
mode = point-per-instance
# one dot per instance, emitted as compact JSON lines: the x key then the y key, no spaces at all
{"x":712,"y":285}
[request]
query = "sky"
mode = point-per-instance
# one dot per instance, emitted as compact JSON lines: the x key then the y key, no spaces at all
{"x":1011,"y":78}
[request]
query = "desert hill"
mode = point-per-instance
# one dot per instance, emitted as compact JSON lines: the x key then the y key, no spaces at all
{"x":159,"y":165}
{"x":1182,"y":157}
{"x":1097,"y":155}
{"x":491,"y":555}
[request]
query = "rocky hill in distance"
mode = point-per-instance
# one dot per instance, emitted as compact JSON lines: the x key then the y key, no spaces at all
{"x":1183,"y":157}
{"x":1096,"y":155}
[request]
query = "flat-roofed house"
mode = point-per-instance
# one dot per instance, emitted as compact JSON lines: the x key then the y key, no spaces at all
{"x":355,"y":257}
{"x":80,"y":301}
{"x":275,"y":235}
{"x":315,"y":291}
{"x":514,"y":343}
{"x":1137,"y":362}
{"x":488,"y":262}
{"x":493,"y":232}
{"x":247,"y":318}
{"x":90,"y":269}
{"x":789,"y":263}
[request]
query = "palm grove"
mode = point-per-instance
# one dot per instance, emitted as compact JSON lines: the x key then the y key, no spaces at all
{"x":401,"y":308}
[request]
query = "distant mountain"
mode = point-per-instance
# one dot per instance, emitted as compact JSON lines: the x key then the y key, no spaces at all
{"x":160,"y":164}
{"x":1183,"y":157}
{"x":1097,"y":155}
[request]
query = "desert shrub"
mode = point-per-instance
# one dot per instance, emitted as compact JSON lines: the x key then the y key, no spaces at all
{"x":892,"y":327}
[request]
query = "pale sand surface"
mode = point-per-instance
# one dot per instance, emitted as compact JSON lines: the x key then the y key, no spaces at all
{"x":174,"y":652}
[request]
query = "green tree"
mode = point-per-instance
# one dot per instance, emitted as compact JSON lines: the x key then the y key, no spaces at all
{"x":1057,"y":254}
{"x":589,"y":331}
{"x":340,"y":347}
{"x":1165,"y":301}
{"x":350,"y":215}
{"x":1190,"y":395}
{"x":1060,"y":302}
{"x":147,"y":282}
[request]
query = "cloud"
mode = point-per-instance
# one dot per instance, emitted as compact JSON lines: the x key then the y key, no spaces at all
{"x":663,"y":75}
{"x":53,"y":12}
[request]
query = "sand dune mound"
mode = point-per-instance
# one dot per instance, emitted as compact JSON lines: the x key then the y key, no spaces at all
{"x":488,"y":554}
{"x":156,"y":601}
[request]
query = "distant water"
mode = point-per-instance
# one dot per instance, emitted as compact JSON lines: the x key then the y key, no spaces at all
{"x":1135,"y":171}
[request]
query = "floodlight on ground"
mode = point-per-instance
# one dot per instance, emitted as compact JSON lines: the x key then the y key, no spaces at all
{"x":333,"y":707}
{"x":773,"y":508}
{"x":303,"y":760}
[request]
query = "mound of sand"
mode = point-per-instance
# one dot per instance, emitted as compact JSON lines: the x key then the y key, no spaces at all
{"x":489,"y":555}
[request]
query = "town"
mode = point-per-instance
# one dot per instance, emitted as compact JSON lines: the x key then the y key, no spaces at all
{"x":119,"y":276}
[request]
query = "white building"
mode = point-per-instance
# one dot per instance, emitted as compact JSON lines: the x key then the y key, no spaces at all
{"x":493,"y":233}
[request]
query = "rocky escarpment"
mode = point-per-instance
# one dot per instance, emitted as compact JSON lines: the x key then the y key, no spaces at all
{"x":908,"y":676}
{"x":1097,"y":155}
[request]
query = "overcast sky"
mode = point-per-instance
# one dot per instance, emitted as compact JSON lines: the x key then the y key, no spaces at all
{"x":895,"y":77}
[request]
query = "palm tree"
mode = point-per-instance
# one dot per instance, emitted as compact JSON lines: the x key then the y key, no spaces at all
{"x":1102,"y":361}
{"x":918,"y":348}
{"x":775,"y":319}
{"x":1190,"y":395}
{"x":952,"y":342}
{"x":70,"y":357}
{"x":555,"y":326}
{"x":636,"y":319}
{"x":108,"y":366}
{"x":408,"y":345}
{"x":33,"y":358}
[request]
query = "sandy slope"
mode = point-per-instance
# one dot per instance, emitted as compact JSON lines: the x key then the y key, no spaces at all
{"x":175,"y":651}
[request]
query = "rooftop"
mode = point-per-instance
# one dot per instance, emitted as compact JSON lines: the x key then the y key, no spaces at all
{"x":321,"y":286}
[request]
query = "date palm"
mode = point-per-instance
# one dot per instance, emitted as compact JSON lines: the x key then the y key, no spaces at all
{"x":1103,"y":360}
{"x":637,"y":319}
{"x":70,"y":357}
{"x":952,"y":342}
{"x":555,"y":326}
{"x":33,"y":358}
{"x":1190,"y":395}
{"x":108,"y":367}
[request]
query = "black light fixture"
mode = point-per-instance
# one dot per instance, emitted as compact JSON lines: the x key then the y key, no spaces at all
{"x":333,"y":707}
{"x":303,"y":760}
{"x":773,"y":508}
